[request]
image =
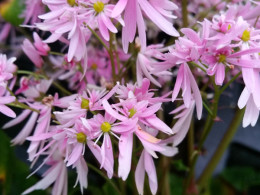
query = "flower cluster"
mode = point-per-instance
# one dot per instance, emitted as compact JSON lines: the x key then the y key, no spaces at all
{"x":89,"y":121}
{"x":7,"y":68}
{"x":89,"y":91}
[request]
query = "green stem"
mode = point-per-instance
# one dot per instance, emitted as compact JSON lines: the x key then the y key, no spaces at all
{"x":114,"y":47}
{"x":229,"y":82}
{"x":31,"y":73}
{"x":18,"y":104}
{"x":111,"y":55}
{"x":207,"y":108}
{"x":110,"y":181}
{"x":98,"y":38}
{"x":210,"y":119}
{"x":198,"y":66}
{"x":62,"y":89}
{"x":190,"y":147}
{"x":184,"y":5}
{"x":223,"y":144}
{"x":56,"y":53}
{"x":22,"y":106}
{"x":208,"y":126}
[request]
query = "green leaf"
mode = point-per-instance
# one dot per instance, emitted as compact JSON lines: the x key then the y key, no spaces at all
{"x":176,"y":184}
{"x":13,"y":172}
{"x":11,"y":10}
{"x":180,"y":166}
{"x":241,"y":178}
{"x":108,"y":189}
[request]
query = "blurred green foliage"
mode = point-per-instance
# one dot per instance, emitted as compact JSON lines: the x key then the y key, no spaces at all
{"x":13,"y":172}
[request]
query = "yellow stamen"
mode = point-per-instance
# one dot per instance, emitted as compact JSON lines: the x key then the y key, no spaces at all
{"x":84,"y":103}
{"x":94,"y":66}
{"x":246,"y":36}
{"x":229,"y":27}
{"x":132,"y":112}
{"x":221,"y":58}
{"x":105,"y":127}
{"x":98,"y":6}
{"x":81,"y":137}
{"x":72,"y":2}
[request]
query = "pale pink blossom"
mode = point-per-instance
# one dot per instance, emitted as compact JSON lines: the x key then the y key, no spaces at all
{"x":36,"y":50}
{"x":133,"y":18}
{"x":190,"y":90}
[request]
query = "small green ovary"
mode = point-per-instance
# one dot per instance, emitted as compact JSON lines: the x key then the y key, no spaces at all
{"x":221,"y":58}
{"x":246,"y":36}
{"x":132,"y":112}
{"x":81,"y":137}
{"x":84,"y":103}
{"x":105,"y":127}
{"x":98,"y":6}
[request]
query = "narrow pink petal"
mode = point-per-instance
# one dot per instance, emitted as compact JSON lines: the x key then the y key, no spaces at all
{"x":191,"y":34}
{"x":220,"y":74}
{"x":18,"y":119}
{"x":108,"y":23}
{"x":158,"y":19}
{"x":75,"y":154}
{"x":95,"y":149}
{"x":73,"y":45}
{"x":158,"y":124}
{"x":151,"y":110}
{"x":243,"y":98}
{"x":61,"y":180}
{"x":142,"y":62}
{"x":178,"y":83}
{"x":129,"y":30}
{"x":52,"y":15}
{"x":112,"y":112}
{"x":7,"y":111}
{"x":151,"y":172}
{"x":182,"y":126}
{"x":119,"y":8}
{"x":141,"y":28}
{"x":52,"y":38}
{"x":103,"y":29}
{"x":53,"y":174}
{"x":197,"y":95}
{"x":7,"y":99}
{"x":248,"y":77}
{"x":245,"y":52}
{"x":125,"y":155}
{"x":27,"y":129}
{"x":139,"y":174}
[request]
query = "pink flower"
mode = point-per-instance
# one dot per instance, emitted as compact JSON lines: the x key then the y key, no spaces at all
{"x":82,"y":171}
{"x":6,"y":100}
{"x":56,"y":174}
{"x":36,"y":50}
{"x":99,"y":12}
{"x":34,"y":8}
{"x":146,"y":164}
{"x":219,"y":59}
{"x":5,"y":30}
{"x":146,"y":65}
{"x":64,"y":18}
{"x":76,"y":139}
{"x":181,"y":127}
{"x":190,"y":90}
{"x":7,"y":68}
{"x":133,"y":18}
{"x":251,"y":101}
